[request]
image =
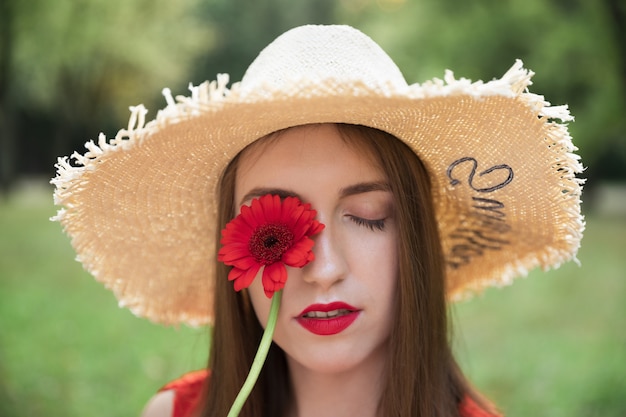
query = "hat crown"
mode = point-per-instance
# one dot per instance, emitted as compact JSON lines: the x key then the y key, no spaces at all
{"x":317,"y":53}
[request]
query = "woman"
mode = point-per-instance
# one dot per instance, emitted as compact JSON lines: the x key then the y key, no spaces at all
{"x":417,"y":197}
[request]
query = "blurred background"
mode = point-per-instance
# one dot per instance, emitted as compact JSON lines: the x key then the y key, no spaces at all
{"x":553,"y":344}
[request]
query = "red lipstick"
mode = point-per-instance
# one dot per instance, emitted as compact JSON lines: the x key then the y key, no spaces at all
{"x":328,"y":319}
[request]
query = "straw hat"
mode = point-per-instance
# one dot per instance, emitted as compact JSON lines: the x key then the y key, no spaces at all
{"x":140,"y":208}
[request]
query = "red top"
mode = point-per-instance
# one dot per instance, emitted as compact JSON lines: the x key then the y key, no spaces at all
{"x":188,"y":392}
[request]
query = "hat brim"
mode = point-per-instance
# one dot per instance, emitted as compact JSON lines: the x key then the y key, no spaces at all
{"x":141,"y":209}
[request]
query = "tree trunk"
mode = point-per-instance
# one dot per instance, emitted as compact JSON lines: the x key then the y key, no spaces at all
{"x":617,"y":12}
{"x":7,"y":122}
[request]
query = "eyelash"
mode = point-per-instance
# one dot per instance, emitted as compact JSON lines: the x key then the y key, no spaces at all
{"x":370,"y":224}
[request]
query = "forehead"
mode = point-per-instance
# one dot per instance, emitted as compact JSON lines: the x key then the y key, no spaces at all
{"x":307,"y":154}
{"x":324,"y":140}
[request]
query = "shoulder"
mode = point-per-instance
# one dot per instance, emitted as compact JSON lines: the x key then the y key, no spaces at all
{"x":160,"y":405}
{"x":179,"y":398}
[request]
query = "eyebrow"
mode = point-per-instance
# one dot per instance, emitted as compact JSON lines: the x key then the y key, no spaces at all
{"x":364,"y":187}
{"x":260,"y":191}
{"x":359,"y":188}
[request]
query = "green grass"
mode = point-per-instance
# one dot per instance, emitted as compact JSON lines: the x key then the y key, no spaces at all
{"x":66,"y":348}
{"x":553,"y":344}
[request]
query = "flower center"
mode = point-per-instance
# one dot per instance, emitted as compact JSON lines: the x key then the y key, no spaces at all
{"x":269,"y":242}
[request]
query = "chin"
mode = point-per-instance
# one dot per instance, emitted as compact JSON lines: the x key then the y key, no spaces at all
{"x":328,"y":359}
{"x":326,"y":365}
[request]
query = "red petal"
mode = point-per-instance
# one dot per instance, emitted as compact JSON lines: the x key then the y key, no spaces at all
{"x":315,"y":228}
{"x":231,"y":253}
{"x":236,"y":238}
{"x":268,"y":293}
{"x":301,"y":225}
{"x":289,"y":210}
{"x":235,"y":273}
{"x":243,"y":277}
{"x":244,"y":263}
{"x":272,"y":208}
{"x":249,"y":215}
{"x":297,"y":254}
{"x":268,"y":210}
{"x":257,"y":213}
{"x":238,"y":233}
{"x":274,"y":278}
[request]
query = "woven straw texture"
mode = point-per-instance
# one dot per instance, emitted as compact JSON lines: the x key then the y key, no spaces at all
{"x":140,"y":208}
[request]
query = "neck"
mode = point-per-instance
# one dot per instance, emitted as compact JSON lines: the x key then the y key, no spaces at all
{"x":352,"y":392}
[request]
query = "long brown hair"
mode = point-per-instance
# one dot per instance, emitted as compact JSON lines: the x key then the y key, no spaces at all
{"x":422,"y":377}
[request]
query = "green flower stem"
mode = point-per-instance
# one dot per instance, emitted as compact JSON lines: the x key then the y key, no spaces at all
{"x":259,"y":359}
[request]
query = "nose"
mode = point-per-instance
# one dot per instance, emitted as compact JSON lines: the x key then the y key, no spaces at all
{"x":330,"y":265}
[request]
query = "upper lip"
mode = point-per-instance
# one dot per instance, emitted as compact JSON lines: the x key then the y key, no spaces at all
{"x":325,"y":308}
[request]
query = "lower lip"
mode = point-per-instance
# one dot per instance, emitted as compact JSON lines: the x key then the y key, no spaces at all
{"x":328,"y":327}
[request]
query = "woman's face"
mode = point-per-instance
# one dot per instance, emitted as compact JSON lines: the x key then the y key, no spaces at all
{"x":337,"y":311}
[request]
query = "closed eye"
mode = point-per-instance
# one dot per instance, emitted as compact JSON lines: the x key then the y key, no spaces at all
{"x":378,"y":224}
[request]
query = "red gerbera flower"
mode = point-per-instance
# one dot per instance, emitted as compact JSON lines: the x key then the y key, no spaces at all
{"x":270,"y":233}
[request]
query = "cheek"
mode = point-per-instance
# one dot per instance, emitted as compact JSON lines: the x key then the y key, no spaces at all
{"x":389,"y":266}
{"x":384,"y":283}
{"x":260,"y":303}
{"x":375,"y":251}
{"x":377,"y":262}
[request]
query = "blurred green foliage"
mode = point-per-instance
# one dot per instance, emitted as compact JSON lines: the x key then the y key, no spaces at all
{"x":70,"y":68}
{"x":572,"y":45}
{"x":81,"y":53}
